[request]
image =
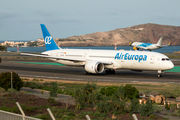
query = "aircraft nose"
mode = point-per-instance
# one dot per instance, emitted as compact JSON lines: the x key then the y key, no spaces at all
{"x":171,"y":65}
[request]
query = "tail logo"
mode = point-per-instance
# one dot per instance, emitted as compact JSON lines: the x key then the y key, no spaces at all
{"x":48,"y":40}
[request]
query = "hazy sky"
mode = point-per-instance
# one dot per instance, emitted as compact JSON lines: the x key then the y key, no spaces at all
{"x":21,"y":19}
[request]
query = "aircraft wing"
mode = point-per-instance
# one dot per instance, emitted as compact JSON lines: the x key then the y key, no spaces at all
{"x":141,"y":47}
{"x":66,"y":58}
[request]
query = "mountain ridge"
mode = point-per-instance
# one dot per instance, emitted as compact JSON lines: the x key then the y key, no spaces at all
{"x":149,"y":33}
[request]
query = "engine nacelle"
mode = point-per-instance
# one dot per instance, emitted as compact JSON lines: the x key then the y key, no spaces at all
{"x":94,"y":67}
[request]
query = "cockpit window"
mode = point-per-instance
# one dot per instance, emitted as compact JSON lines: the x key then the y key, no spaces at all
{"x":165,"y":59}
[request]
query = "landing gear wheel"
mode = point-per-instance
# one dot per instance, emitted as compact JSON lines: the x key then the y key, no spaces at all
{"x":86,"y":73}
{"x":106,"y":71}
{"x":113,"y":72}
{"x":159,"y":75}
{"x":109,"y":71}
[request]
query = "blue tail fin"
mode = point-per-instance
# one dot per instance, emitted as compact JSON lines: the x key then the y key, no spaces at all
{"x":48,"y":39}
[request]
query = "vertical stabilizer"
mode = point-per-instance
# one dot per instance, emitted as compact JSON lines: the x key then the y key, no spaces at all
{"x":159,"y":43}
{"x":48,"y":39}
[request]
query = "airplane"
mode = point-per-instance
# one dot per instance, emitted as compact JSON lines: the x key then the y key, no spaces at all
{"x":148,"y":46}
{"x":98,"y":61}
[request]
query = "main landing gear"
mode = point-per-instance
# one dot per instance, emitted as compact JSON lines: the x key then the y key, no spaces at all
{"x":159,"y":73}
{"x":110,"y":71}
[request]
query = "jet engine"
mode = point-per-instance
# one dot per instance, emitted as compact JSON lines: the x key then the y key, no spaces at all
{"x":94,"y":67}
{"x":135,"y":48}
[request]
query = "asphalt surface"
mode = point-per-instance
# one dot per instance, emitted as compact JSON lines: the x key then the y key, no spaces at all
{"x":77,"y":73}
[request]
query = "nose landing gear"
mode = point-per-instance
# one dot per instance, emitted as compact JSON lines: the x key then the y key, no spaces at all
{"x":159,"y":73}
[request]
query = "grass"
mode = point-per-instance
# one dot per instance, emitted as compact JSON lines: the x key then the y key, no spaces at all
{"x":173,"y":55}
{"x":168,"y":90}
{"x":69,"y":88}
{"x":14,"y":55}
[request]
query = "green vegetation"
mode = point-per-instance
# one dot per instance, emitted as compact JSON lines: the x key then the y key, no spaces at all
{"x":167,"y":90}
{"x":8,"y":55}
{"x":10,"y":109}
{"x":5,"y":81}
{"x":134,"y":107}
{"x":53,"y":89}
{"x":3,"y":48}
{"x":173,"y":55}
{"x":108,"y":91}
{"x":11,"y":90}
{"x":131,"y":92}
{"x":100,"y":101}
{"x":146,"y":109}
{"x":51,"y":100}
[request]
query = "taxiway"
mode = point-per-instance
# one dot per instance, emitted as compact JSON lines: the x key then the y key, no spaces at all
{"x":55,"y":72}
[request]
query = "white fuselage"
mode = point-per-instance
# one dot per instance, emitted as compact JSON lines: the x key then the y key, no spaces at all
{"x":135,"y":60}
{"x":146,"y":46}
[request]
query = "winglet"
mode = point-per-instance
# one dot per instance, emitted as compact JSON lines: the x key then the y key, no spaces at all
{"x":48,"y":39}
{"x":169,"y":43}
{"x":130,"y":43}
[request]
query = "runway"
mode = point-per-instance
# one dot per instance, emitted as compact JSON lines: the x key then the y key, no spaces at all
{"x":55,"y":72}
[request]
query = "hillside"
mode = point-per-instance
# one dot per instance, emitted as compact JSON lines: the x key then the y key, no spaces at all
{"x":149,"y":33}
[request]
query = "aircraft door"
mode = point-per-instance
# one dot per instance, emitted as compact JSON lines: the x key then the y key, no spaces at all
{"x":57,"y":54}
{"x":159,"y":63}
{"x":155,"y":62}
{"x":152,"y":60}
{"x":85,"y":55}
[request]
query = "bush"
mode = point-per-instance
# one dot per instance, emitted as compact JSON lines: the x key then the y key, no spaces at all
{"x":53,"y":89}
{"x":131,"y":92}
{"x":119,"y":93}
{"x":2,"y":90}
{"x":87,"y":96}
{"x":107,"y":105}
{"x":146,"y":109}
{"x":167,"y":107}
{"x":5,"y":81}
{"x":32,"y":85}
{"x":134,"y":107}
{"x":89,"y":88}
{"x":51,"y":100}
{"x":108,"y":91}
{"x":3,"y":48}
{"x":11,"y":90}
